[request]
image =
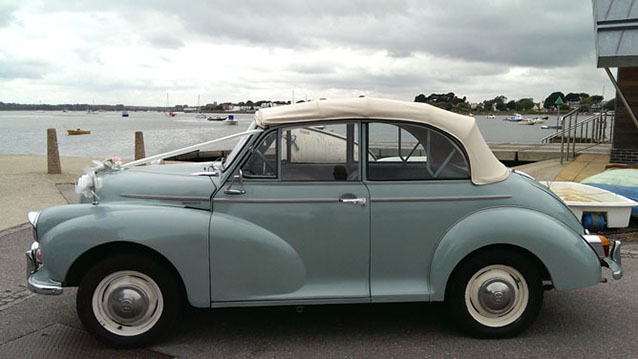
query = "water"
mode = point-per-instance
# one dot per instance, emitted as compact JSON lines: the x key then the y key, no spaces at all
{"x":24,"y":132}
{"x":111,"y":134}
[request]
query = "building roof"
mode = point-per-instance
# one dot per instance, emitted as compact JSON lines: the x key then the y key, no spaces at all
{"x":485,"y":167}
{"x":616,"y":29}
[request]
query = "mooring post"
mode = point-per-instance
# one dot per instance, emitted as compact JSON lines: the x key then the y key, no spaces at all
{"x":139,"y":145}
{"x":53,"y":155}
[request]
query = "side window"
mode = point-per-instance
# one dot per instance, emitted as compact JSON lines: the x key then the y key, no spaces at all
{"x":262,"y":162}
{"x":413,"y":152}
{"x":320,"y":153}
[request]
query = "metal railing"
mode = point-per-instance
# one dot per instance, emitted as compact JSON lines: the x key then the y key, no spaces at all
{"x":592,"y":129}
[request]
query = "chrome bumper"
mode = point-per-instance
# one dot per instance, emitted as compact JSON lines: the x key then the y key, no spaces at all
{"x":38,"y":280}
{"x":613,"y":261}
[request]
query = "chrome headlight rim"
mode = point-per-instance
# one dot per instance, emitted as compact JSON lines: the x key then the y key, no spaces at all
{"x":33,"y":219}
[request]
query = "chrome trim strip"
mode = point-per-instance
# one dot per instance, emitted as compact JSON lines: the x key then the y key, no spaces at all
{"x":228,"y":200}
{"x":433,"y":199}
{"x":167,"y":198}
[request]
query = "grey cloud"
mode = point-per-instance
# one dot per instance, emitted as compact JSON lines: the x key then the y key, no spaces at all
{"x":519,"y":33}
{"x":23,"y":69}
{"x":312,"y":68}
{"x":165,"y":42}
{"x":6,"y":14}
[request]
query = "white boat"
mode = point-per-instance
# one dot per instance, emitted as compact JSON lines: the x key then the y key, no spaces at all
{"x":583,"y":199}
{"x":199,"y":115}
{"x":490,"y":116}
{"x":517,"y":117}
{"x":230,"y":120}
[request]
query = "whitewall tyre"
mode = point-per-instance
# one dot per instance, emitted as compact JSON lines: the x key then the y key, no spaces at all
{"x":495,"y":294}
{"x":128,"y":301}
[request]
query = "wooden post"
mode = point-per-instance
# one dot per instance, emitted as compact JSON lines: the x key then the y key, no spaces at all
{"x":53,"y":155}
{"x":139,"y":145}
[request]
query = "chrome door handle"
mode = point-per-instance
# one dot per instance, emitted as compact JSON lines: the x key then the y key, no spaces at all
{"x":361,"y":201}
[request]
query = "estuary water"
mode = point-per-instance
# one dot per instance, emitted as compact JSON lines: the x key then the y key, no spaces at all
{"x":24,"y":132}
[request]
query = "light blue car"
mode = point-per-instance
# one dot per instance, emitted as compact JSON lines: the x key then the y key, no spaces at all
{"x":339,"y":201}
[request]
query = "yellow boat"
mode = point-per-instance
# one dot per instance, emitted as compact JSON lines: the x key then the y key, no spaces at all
{"x":78,"y":132}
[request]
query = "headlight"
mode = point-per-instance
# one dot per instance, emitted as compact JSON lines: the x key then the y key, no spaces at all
{"x":33,"y":219}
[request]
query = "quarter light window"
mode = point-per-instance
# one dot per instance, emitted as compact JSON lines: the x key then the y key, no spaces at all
{"x":412,"y":152}
{"x":263,"y":159}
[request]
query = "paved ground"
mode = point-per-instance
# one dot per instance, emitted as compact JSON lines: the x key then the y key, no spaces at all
{"x":599,"y":321}
{"x":25,"y":185}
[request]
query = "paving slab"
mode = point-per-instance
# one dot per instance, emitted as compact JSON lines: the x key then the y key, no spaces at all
{"x":25,"y":185}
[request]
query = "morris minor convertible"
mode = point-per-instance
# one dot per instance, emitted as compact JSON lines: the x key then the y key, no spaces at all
{"x":336,"y":201}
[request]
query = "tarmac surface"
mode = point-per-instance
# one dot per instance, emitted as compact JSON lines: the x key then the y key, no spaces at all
{"x":598,"y":321}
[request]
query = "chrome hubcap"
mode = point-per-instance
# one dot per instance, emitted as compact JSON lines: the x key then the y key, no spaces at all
{"x":496,"y":296}
{"x":127,"y":303}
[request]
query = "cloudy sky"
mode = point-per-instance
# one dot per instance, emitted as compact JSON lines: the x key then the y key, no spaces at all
{"x":135,"y":52}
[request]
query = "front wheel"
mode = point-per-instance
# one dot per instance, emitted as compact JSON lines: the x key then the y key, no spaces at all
{"x":495,"y":294}
{"x":127,"y":301}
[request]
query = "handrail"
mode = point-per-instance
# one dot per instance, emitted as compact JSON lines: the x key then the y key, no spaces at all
{"x":569,"y":134}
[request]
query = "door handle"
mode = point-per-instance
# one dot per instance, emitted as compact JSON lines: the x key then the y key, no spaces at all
{"x":361,"y":201}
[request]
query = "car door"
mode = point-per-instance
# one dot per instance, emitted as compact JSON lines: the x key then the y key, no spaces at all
{"x":294,"y":222}
{"x":419,"y":183}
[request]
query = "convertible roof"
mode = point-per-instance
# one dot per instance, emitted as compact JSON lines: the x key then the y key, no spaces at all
{"x":486,"y":168}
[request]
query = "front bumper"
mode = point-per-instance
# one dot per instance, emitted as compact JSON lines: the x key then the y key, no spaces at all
{"x":38,"y":279}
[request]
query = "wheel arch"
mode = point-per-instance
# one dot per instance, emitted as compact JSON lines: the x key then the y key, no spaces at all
{"x":569,"y":262}
{"x":91,"y":257}
{"x":502,"y":247}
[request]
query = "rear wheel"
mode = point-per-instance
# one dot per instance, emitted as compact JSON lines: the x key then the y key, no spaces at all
{"x":495,"y":294}
{"x":128,"y":300}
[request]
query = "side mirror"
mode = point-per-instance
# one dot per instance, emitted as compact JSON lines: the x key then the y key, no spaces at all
{"x":236,"y":177}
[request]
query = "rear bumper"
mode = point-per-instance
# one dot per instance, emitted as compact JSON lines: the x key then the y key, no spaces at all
{"x":38,"y":279}
{"x":613,"y":262}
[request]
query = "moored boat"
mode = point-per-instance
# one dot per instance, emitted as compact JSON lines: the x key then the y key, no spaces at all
{"x":230,"y":120}
{"x":124,"y":113}
{"x":516,"y":118}
{"x":216,"y":118}
{"x":78,"y":132}
{"x":623,"y":182}
{"x":526,"y":122}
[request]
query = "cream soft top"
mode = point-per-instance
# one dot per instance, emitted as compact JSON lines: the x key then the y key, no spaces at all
{"x":485,"y":167}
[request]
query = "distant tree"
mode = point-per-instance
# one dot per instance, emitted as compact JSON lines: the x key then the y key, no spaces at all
{"x":596,"y":99}
{"x":551,"y":99}
{"x":572,"y":97}
{"x":501,"y":106}
{"x":420,"y":98}
{"x":511,"y":105}
{"x":525,"y":104}
{"x":610,"y":105}
{"x":583,"y":108}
